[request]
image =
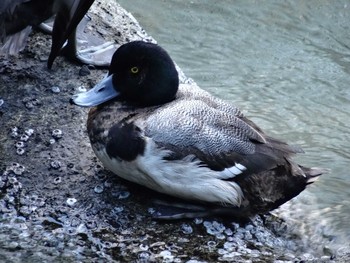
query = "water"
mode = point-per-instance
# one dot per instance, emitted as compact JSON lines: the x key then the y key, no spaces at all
{"x":286,"y":64}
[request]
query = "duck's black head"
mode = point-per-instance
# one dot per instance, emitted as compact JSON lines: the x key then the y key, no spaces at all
{"x":144,"y":73}
{"x":140,"y":73}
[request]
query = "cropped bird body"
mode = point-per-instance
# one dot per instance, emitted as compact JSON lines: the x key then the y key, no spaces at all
{"x":16,"y":19}
{"x":182,"y":141}
{"x":18,"y":16}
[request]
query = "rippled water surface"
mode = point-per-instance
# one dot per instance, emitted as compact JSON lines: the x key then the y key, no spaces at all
{"x":286,"y":64}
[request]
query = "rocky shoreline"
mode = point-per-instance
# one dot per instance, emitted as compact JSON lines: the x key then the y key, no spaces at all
{"x":57,"y":204}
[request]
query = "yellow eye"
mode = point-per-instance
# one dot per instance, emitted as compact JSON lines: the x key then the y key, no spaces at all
{"x":134,"y":70}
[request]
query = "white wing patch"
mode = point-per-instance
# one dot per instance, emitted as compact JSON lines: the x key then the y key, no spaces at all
{"x":231,"y":172}
{"x":181,"y":178}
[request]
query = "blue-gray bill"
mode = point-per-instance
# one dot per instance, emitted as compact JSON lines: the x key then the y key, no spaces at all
{"x":102,"y":92}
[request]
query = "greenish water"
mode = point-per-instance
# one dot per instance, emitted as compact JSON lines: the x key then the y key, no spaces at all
{"x":286,"y":64}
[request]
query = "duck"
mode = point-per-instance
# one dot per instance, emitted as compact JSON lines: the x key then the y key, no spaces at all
{"x":181,"y":141}
{"x":17,"y":17}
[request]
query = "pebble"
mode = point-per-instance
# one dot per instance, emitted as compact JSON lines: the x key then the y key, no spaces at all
{"x":14,"y":132}
{"x":30,"y":103}
{"x":186,"y":229}
{"x":20,"y":151}
{"x":211,"y":243}
{"x":214,"y":228}
{"x":29,"y":132}
{"x":107,"y":184}
{"x":81,"y":89}
{"x":143,"y":256}
{"x":144,"y":247}
{"x":118,"y":209}
{"x":228,"y":231}
{"x":84,"y":71}
{"x":91,"y":224}
{"x":166,"y":255}
{"x":57,"y":134}
{"x":151,"y":210}
{"x":24,"y":137}
{"x":57,"y":180}
{"x":19,"y":144}
{"x":198,"y":221}
{"x":18,"y":169}
{"x":98,"y":189}
{"x":123,"y":195}
{"x":55,"y":89}
{"x":71,"y":201}
{"x":55,"y":164}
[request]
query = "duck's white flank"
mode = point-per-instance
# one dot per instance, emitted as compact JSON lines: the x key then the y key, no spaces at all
{"x":182,"y":178}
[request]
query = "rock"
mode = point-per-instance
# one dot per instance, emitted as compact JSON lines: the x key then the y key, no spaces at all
{"x":84,"y":71}
{"x":50,"y":208}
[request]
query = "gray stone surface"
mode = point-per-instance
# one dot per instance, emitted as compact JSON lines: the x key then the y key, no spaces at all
{"x":57,"y":204}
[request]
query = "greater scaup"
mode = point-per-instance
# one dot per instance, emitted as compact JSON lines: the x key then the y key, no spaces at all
{"x":182,"y":141}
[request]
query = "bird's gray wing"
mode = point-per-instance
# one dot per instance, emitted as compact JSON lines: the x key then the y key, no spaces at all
{"x":214,"y":132}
